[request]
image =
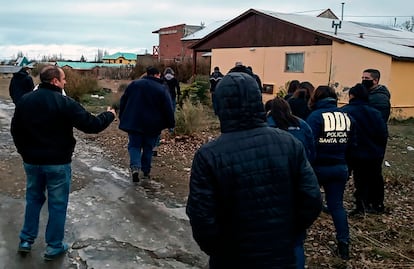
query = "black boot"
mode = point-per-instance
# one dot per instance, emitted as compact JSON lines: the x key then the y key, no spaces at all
{"x":343,"y":250}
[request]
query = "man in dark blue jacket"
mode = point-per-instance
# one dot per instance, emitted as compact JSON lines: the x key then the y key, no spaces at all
{"x":365,"y":158}
{"x":42,"y":130}
{"x":252,"y":190}
{"x":145,"y":110}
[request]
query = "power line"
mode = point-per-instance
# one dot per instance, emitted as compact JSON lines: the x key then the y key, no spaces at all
{"x":375,"y":16}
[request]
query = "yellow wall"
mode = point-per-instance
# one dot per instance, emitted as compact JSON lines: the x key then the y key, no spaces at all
{"x":341,"y":65}
{"x":269,"y":64}
{"x":402,"y":95}
{"x":350,"y":61}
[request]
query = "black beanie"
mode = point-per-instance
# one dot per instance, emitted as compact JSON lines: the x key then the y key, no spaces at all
{"x":359,"y":92}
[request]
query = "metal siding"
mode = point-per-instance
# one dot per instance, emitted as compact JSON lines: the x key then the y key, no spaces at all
{"x":262,"y":31}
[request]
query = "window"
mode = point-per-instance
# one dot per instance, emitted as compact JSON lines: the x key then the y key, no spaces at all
{"x":294,"y":62}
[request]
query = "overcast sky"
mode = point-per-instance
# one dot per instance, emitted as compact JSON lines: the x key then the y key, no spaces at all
{"x":73,"y":28}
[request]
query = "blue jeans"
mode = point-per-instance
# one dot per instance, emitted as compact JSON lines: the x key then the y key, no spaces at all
{"x":140,"y":151}
{"x":333,"y":180}
{"x":55,"y":179}
{"x":300,"y":250}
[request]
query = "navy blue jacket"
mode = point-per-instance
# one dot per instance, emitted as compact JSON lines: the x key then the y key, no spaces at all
{"x":252,"y":189}
{"x":146,"y":107}
{"x":43,"y":121}
{"x":332,"y":131}
{"x":303,"y":133}
{"x":371,"y":130}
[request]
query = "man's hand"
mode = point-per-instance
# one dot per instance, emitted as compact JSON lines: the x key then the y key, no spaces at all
{"x":110,"y":109}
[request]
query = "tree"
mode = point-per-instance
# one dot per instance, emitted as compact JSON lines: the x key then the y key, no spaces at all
{"x":100,"y":55}
{"x":408,"y":25}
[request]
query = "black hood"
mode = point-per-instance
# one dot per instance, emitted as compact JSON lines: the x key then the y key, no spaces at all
{"x":239,"y":104}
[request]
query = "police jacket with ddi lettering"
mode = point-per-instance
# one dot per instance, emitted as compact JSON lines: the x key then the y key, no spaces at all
{"x":332,"y":130}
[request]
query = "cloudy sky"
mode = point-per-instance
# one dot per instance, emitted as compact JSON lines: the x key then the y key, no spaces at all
{"x":73,"y":28}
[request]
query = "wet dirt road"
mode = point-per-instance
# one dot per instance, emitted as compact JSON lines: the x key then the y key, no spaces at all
{"x":111,"y":223}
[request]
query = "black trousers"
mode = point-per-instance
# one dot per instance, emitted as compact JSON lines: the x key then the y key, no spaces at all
{"x":369,"y":183}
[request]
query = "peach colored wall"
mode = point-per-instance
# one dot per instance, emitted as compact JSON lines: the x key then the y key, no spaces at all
{"x":269,"y":64}
{"x":348,"y":63}
{"x":340,"y":64}
{"x":402,"y":95}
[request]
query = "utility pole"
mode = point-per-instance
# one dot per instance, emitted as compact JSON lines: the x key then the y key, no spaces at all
{"x":342,"y":13}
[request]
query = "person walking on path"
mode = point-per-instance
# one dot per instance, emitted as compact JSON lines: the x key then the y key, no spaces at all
{"x":280,"y":116}
{"x":293,"y":86}
{"x":252,"y":190}
{"x":145,"y":110}
{"x":366,"y":158}
{"x":42,"y":130}
{"x":299,"y":101}
{"x":173,"y":85}
{"x":20,"y":84}
{"x":333,"y":134}
{"x":215,"y":78}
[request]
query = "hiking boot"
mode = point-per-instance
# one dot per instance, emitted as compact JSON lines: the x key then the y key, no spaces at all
{"x":377,"y":209}
{"x":135,"y":175}
{"x":154,"y":153}
{"x":24,"y":247}
{"x":343,"y":250}
{"x":53,"y":253}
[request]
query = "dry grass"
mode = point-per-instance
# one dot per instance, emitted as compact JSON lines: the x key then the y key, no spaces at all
{"x":377,"y":241}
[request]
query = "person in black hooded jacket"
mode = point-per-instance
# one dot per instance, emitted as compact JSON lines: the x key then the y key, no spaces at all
{"x":20,"y":84}
{"x":252,"y":190}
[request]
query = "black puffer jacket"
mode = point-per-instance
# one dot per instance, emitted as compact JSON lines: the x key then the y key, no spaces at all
{"x":252,"y":189}
{"x":379,"y":98}
{"x":43,"y":121}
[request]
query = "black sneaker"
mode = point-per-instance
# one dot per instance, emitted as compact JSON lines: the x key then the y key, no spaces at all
{"x":343,"y":250}
{"x":154,"y":153}
{"x":52,"y":253}
{"x":135,"y":175}
{"x":24,"y":247}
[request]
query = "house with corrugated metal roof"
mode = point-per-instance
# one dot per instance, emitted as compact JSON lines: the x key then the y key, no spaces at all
{"x":282,"y":47}
{"x":120,"y":58}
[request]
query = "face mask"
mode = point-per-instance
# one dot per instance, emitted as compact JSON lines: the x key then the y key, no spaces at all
{"x":368,"y":83}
